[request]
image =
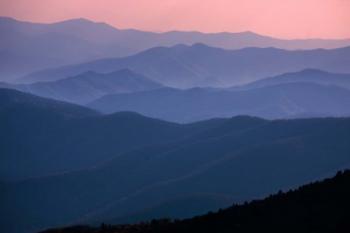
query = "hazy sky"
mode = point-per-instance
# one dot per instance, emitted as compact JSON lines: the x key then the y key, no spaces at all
{"x":279,"y":18}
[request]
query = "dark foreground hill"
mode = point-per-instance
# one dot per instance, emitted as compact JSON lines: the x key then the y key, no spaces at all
{"x":43,"y":137}
{"x":126,"y":167}
{"x":241,"y":159}
{"x":321,"y":207}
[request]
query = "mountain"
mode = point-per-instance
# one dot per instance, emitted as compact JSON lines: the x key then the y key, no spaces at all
{"x":289,"y":100}
{"x":24,"y":45}
{"x":200,"y":65}
{"x":88,"y":86}
{"x":241,"y":158}
{"x":42,"y":137}
{"x":316,"y":207}
{"x":306,"y":76}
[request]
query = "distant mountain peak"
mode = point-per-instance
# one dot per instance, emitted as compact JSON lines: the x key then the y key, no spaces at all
{"x":89,"y":72}
{"x":75,"y":21}
{"x":200,"y":45}
{"x":185,"y":46}
{"x":251,"y":33}
{"x":7,"y":19}
{"x":180,"y":46}
{"x":246,"y":117}
{"x":124,"y":71}
{"x":312,"y":71}
{"x":86,"y":24}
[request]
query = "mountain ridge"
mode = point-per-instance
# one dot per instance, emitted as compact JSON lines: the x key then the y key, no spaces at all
{"x":25,"y":44}
{"x":283,"y":100}
{"x":308,"y":75}
{"x":185,"y":66}
{"x":88,"y":86}
{"x":85,"y":20}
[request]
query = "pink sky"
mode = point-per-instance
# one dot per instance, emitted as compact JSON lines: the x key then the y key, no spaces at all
{"x":279,"y":18}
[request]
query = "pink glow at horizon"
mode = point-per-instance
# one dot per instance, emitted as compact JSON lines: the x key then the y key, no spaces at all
{"x":278,"y":18}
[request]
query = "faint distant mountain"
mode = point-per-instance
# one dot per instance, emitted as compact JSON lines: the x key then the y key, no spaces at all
{"x":24,"y":46}
{"x":88,"y":86}
{"x":279,"y":101}
{"x":304,"y":76}
{"x":200,"y":65}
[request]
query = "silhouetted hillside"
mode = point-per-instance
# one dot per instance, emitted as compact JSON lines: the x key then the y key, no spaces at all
{"x":318,"y":207}
{"x":178,"y":208}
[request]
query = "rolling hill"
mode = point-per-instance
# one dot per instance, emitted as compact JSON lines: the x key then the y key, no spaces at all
{"x":185,"y":66}
{"x":43,"y":137}
{"x":284,"y":100}
{"x":241,"y":158}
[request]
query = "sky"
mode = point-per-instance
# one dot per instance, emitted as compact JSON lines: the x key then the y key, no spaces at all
{"x":288,"y":19}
